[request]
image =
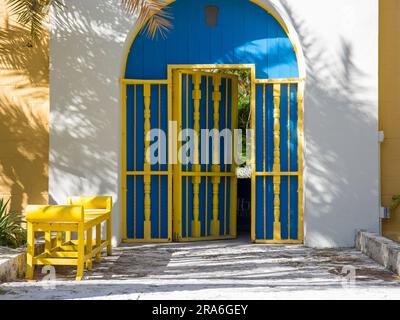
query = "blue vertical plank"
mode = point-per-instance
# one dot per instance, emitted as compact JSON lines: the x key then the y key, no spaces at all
{"x":294,"y":210}
{"x":228,"y":206}
{"x":130,"y":118}
{"x":190,"y":205}
{"x":284,"y":197}
{"x":221,"y":206}
{"x":203,"y":120}
{"x":269,"y":132}
{"x":165,"y":122}
{"x":155,"y":202}
{"x":260,"y":194}
{"x":139,"y":207}
{"x":210,"y":122}
{"x":139,"y":129}
{"x":284,"y":148}
{"x":130,"y":207}
{"x":222,"y":122}
{"x":269,"y":196}
{"x":202,"y":199}
{"x":164,"y":207}
{"x":284,"y":151}
{"x":229,"y":126}
{"x":154,"y":117}
{"x":210,"y":206}
{"x":294,"y":165}
{"x":184,"y":220}
{"x":260,"y":129}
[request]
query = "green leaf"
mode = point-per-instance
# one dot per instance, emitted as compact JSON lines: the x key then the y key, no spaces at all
{"x":152,"y":14}
{"x":32,"y":14}
{"x":11,"y":230}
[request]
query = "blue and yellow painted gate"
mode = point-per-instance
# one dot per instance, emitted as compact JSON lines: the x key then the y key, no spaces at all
{"x":277,"y":181}
{"x":167,"y":202}
{"x":146,"y":189}
{"x":196,"y":200}
{"x":205,"y":191}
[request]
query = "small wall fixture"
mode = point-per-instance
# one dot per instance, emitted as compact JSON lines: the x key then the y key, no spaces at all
{"x":212,"y":16}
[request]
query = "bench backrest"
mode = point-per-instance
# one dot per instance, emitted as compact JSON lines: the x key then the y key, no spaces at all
{"x":66,"y":214}
{"x":90,"y":203}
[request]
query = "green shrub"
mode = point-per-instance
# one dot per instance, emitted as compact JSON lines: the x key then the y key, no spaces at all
{"x":12,"y":233}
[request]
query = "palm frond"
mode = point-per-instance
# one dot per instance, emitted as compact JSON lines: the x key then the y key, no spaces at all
{"x":32,"y":14}
{"x":155,"y":17}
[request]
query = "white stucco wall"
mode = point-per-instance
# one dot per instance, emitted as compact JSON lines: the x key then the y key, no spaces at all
{"x":340,"y":43}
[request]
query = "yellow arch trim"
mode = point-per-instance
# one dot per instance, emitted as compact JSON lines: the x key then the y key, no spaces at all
{"x":256,"y":2}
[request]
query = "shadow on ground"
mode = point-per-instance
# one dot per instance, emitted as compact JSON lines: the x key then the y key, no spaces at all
{"x":228,"y":268}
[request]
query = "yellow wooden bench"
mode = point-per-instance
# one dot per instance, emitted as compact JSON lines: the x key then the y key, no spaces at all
{"x":94,"y":206}
{"x":66,"y":219}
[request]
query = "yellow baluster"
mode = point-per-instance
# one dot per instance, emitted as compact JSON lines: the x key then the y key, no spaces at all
{"x":147,"y":166}
{"x":216,"y":168}
{"x":196,"y":226}
{"x":234,"y":111}
{"x":277,"y":161}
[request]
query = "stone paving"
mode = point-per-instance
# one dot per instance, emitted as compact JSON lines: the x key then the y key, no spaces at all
{"x":217,"y":270}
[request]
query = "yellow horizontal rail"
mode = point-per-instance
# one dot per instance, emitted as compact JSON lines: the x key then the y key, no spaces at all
{"x":60,"y":227}
{"x":204,"y":72}
{"x":279,"y":81}
{"x":210,"y":66}
{"x":55,"y":261}
{"x":140,"y":82}
{"x":148,"y":173}
{"x":58,"y":254}
{"x":208,"y":174}
{"x":277,"y":174}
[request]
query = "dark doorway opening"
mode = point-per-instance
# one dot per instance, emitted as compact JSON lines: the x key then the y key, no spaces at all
{"x":244,"y":208}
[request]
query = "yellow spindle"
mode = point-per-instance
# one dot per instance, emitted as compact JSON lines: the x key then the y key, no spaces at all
{"x":147,"y":166}
{"x":216,"y":97}
{"x":196,"y":95}
{"x":277,"y":161}
{"x":234,"y":111}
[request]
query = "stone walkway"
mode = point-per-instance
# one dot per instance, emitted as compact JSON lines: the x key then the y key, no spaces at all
{"x":217,"y":270}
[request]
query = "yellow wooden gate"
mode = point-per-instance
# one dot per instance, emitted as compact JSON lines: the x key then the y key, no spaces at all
{"x":146,"y":188}
{"x":204,"y":191}
{"x":196,"y":199}
{"x":277,"y":181}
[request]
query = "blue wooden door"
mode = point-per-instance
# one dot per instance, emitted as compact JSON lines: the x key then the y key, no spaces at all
{"x":147,"y":186}
{"x":277,"y":178}
{"x":204,"y":179}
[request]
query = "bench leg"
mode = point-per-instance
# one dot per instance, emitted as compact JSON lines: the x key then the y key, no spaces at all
{"x":109,"y":244}
{"x":68,"y":236}
{"x":59,"y":239}
{"x":30,"y":252}
{"x":89,"y":248}
{"x":47,"y":242}
{"x":81,"y":253}
{"x":98,"y":242}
